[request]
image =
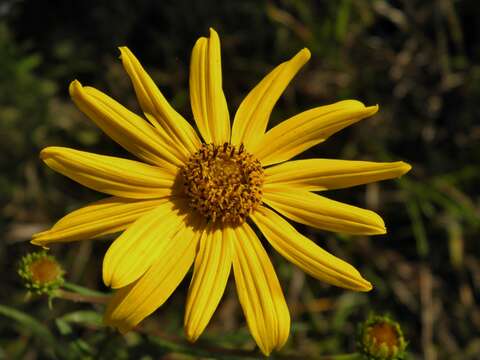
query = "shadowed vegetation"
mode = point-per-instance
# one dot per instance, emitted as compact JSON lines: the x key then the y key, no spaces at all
{"x":419,"y":60}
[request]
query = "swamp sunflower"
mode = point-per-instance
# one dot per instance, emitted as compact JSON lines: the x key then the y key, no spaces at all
{"x":189,"y":201}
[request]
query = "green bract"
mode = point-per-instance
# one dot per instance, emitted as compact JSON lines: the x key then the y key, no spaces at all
{"x":41,"y":273}
{"x":381,"y":338}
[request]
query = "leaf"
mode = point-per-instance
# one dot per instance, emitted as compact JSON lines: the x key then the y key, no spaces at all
{"x":38,"y":329}
{"x":82,"y":317}
{"x":85,"y":317}
{"x":63,"y":327}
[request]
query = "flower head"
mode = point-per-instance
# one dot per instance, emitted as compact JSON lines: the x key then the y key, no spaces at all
{"x":41,"y":273}
{"x":381,"y":338}
{"x":192,"y":202}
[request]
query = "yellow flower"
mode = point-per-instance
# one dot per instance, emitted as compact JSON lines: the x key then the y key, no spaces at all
{"x":188,"y":202}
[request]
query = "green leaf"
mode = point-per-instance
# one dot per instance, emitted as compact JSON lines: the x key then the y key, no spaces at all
{"x":82,"y":317}
{"x":63,"y":327}
{"x":85,"y":317}
{"x":28,"y":322}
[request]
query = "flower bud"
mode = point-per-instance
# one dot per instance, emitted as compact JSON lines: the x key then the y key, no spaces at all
{"x":381,"y":338}
{"x":41,"y":273}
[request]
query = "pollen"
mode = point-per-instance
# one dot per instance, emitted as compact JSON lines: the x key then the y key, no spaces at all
{"x":223,"y":182}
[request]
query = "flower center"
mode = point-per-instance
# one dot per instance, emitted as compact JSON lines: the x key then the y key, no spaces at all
{"x":384,"y":334}
{"x":44,"y":270}
{"x":223,"y":183}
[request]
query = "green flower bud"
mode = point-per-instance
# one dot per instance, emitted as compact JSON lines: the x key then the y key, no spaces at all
{"x":41,"y":273}
{"x":381,"y":338}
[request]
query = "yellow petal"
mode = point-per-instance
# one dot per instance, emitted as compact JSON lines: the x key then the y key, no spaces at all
{"x":183,"y":137}
{"x":147,"y":240}
{"x":328,"y":174}
{"x":209,"y":105}
{"x":318,"y":211}
{"x":304,"y":253}
{"x":309,"y":128}
{"x":259,"y":291}
{"x":99,"y":218}
{"x":210,"y":275}
{"x":253,"y":113}
{"x":126,"y":128}
{"x":133,"y":303}
{"x":110,"y":175}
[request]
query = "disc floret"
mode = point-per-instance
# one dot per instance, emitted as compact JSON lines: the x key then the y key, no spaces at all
{"x":223,"y":182}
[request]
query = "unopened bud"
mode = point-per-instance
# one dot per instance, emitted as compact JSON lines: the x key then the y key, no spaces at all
{"x":41,"y":273}
{"x":381,"y":338}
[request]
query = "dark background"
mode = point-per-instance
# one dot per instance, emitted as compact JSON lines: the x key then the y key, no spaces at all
{"x":419,"y":60}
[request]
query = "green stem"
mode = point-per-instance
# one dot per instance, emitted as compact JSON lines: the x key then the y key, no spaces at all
{"x":203,"y":349}
{"x":353,"y":356}
{"x":82,"y":290}
{"x":72,"y":296}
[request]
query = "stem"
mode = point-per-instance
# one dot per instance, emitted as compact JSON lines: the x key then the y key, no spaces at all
{"x":180,"y":345}
{"x":352,"y":356}
{"x":204,"y":349}
{"x":176,"y":344}
{"x":94,"y":299}
{"x":82,"y":290}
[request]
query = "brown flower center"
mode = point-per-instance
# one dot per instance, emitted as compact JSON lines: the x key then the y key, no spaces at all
{"x":384,"y":333}
{"x":44,"y":271}
{"x":223,"y":182}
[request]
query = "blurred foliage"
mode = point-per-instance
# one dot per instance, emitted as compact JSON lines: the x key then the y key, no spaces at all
{"x":420,"y":60}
